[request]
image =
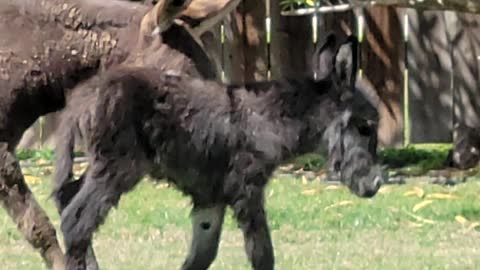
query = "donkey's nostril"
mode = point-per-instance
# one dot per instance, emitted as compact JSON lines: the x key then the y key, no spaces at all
{"x":336,"y":166}
{"x":373,"y":188}
{"x":369,"y":193}
{"x":370,"y":188}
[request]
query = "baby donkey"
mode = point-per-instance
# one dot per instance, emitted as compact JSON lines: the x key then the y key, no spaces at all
{"x":217,"y":144}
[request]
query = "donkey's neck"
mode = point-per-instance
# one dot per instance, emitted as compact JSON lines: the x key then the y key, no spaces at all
{"x":83,"y":14}
{"x":284,"y":118}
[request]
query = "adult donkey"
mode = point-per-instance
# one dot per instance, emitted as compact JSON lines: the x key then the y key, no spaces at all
{"x":217,"y":144}
{"x":48,"y":47}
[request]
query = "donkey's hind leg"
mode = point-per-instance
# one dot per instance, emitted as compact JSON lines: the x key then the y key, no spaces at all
{"x":81,"y":218}
{"x":207,"y":227}
{"x":101,"y":191}
{"x":65,"y":195}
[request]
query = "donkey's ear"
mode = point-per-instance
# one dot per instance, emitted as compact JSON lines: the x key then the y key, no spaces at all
{"x":323,"y":56}
{"x":346,"y":63}
{"x":345,"y":118}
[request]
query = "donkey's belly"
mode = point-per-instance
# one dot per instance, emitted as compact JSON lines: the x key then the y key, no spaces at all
{"x":201,"y":178}
{"x":195,"y":170}
{"x":204,"y":187}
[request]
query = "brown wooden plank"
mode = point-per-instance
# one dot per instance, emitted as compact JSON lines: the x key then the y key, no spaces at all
{"x":342,"y":23}
{"x":213,"y":47}
{"x":245,"y":50}
{"x":464,"y":32}
{"x":255,"y":41}
{"x":382,"y":52}
{"x":429,"y":63}
{"x":291,"y":44}
{"x":233,"y":47}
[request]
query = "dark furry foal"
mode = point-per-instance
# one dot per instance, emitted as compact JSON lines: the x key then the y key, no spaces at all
{"x":217,"y":145}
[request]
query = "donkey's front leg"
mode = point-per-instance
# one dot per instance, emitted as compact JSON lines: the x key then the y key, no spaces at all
{"x":207,"y":227}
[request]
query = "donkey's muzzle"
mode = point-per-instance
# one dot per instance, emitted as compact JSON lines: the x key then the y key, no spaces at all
{"x":366,"y":186}
{"x":370,"y":189}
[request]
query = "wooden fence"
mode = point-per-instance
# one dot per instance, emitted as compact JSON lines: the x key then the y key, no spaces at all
{"x":423,"y":66}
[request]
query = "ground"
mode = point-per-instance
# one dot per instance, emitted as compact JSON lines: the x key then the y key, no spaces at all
{"x":314,"y":225}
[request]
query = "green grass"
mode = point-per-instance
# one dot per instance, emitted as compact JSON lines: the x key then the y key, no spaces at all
{"x":313,"y":226}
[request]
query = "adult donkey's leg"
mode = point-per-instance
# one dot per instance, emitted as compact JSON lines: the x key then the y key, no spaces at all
{"x":207,"y":227}
{"x":22,"y":207}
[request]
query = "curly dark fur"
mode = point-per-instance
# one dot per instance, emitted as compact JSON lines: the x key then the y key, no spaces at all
{"x":217,"y":144}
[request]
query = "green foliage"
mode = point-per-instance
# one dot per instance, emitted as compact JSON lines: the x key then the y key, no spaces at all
{"x":309,"y":162}
{"x":35,"y":155}
{"x":296,"y":4}
{"x":417,"y":159}
{"x":413,"y":160}
{"x":24,"y":154}
{"x":43,"y":154}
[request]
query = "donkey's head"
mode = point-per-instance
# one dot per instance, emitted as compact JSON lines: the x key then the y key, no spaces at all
{"x":352,"y":133}
{"x":349,"y":154}
{"x":198,"y":15}
{"x":162,"y":16}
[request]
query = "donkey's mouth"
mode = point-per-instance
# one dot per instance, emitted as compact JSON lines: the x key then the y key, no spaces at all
{"x":368,"y":186}
{"x":371,"y":189}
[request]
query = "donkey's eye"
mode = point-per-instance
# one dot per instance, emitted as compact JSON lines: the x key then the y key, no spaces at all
{"x":364,"y":130}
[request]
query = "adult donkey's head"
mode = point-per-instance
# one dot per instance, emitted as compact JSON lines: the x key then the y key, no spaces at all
{"x":352,"y":135}
{"x":198,"y":15}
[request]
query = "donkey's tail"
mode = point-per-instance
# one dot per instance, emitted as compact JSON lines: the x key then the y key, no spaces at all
{"x":64,"y":166}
